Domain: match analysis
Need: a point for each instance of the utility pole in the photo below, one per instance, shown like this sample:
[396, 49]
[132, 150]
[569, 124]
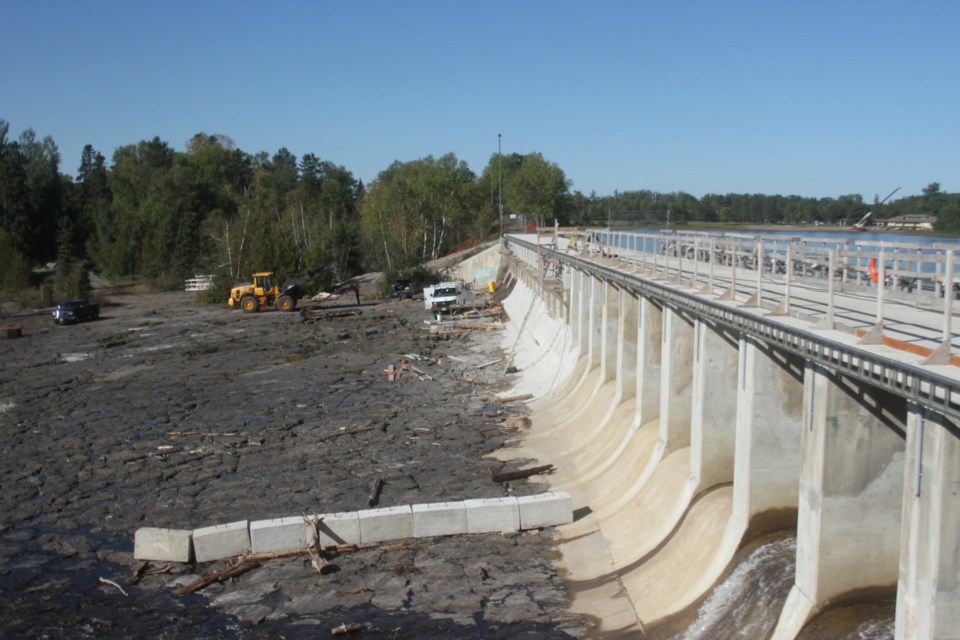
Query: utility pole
[500, 181]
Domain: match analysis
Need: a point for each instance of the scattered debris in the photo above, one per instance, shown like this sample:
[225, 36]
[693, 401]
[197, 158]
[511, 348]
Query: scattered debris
[9, 333]
[375, 490]
[520, 474]
[114, 585]
[520, 423]
[348, 432]
[347, 629]
[234, 570]
[525, 396]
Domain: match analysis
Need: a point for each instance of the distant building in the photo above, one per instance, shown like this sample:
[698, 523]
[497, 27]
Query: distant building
[909, 221]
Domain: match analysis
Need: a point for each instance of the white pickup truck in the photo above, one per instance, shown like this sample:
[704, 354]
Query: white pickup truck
[442, 296]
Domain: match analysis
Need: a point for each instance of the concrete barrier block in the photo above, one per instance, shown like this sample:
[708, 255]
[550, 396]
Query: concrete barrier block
[221, 541]
[165, 545]
[545, 510]
[439, 519]
[387, 523]
[339, 528]
[280, 534]
[491, 515]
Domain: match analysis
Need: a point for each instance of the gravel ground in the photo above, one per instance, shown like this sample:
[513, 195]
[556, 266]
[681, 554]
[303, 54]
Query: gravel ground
[169, 413]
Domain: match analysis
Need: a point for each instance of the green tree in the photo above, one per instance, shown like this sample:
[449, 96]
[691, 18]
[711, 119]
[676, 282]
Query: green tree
[15, 271]
[537, 187]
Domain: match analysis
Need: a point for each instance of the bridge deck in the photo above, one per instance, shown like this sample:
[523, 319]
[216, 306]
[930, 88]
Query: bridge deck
[877, 332]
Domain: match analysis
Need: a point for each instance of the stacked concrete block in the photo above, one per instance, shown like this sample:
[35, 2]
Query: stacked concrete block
[545, 510]
[387, 523]
[339, 528]
[488, 515]
[280, 534]
[163, 545]
[439, 519]
[221, 541]
[492, 515]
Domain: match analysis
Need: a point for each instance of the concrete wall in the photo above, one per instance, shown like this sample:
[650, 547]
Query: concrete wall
[928, 593]
[797, 442]
[770, 404]
[676, 380]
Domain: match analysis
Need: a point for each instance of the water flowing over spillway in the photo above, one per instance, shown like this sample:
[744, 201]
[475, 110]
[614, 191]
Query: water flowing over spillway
[746, 604]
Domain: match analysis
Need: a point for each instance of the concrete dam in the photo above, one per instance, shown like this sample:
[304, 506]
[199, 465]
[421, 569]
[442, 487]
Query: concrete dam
[696, 392]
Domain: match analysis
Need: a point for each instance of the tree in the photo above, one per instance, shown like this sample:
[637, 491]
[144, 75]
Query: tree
[415, 211]
[532, 185]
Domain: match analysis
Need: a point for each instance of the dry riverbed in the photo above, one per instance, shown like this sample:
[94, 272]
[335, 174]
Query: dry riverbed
[169, 413]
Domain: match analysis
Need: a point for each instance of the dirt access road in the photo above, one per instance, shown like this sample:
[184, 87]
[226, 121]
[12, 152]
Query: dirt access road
[170, 413]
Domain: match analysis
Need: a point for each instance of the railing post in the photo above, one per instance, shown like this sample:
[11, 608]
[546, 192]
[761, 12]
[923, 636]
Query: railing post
[708, 288]
[731, 292]
[756, 300]
[875, 334]
[941, 355]
[783, 308]
[827, 321]
[678, 246]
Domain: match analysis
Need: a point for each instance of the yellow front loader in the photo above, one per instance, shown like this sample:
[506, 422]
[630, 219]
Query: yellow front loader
[264, 293]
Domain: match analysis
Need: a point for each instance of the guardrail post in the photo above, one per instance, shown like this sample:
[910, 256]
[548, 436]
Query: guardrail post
[941, 355]
[678, 247]
[756, 300]
[731, 292]
[827, 321]
[708, 288]
[783, 309]
[875, 334]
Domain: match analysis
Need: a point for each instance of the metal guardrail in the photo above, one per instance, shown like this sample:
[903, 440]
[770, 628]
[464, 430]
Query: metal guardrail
[915, 383]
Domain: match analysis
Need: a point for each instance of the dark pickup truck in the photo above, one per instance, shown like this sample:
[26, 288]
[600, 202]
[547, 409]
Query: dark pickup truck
[75, 311]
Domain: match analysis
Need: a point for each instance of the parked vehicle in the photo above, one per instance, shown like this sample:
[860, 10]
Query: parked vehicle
[445, 295]
[75, 311]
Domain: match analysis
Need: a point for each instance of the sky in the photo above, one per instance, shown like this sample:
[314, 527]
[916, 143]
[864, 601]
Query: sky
[812, 98]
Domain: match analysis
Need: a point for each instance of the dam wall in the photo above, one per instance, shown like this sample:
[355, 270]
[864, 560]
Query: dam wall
[682, 434]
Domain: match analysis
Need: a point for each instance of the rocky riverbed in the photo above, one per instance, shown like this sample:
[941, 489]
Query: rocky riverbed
[170, 413]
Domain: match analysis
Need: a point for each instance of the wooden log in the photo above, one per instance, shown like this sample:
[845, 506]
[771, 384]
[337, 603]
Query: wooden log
[375, 490]
[216, 576]
[525, 396]
[347, 629]
[522, 473]
[347, 432]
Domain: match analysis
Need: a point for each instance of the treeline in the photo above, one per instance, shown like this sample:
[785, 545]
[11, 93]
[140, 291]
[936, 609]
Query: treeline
[637, 208]
[163, 215]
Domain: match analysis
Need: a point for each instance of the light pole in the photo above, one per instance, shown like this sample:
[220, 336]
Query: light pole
[500, 181]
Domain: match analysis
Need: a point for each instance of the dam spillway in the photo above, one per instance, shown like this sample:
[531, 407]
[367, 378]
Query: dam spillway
[694, 395]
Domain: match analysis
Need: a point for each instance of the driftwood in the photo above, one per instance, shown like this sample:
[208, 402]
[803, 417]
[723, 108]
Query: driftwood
[138, 572]
[114, 585]
[347, 629]
[216, 576]
[318, 557]
[347, 432]
[522, 473]
[375, 490]
[525, 396]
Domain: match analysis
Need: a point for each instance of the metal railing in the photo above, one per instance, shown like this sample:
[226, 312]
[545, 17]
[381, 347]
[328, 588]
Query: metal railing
[657, 275]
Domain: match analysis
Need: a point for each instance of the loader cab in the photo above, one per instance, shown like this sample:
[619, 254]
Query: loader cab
[262, 282]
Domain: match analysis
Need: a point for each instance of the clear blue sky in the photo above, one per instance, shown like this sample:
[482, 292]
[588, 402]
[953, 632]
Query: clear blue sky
[810, 98]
